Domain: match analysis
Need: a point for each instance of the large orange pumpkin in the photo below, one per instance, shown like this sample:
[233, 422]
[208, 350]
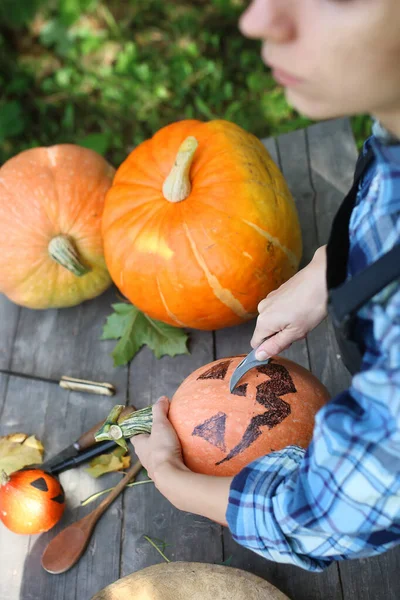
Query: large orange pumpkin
[272, 407]
[51, 249]
[199, 225]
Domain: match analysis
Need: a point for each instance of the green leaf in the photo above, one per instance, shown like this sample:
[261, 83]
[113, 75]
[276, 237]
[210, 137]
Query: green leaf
[134, 329]
[11, 120]
[164, 339]
[99, 142]
[108, 463]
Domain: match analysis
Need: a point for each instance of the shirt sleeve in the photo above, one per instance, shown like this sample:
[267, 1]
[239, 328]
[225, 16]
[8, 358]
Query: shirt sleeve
[341, 498]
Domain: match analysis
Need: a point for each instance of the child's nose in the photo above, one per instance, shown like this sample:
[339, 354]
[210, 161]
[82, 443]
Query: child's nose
[268, 20]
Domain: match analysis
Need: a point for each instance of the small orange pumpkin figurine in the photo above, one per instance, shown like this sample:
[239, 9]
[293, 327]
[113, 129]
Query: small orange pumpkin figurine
[199, 225]
[51, 247]
[31, 501]
[272, 407]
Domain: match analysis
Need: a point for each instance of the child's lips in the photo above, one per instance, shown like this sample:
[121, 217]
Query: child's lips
[285, 78]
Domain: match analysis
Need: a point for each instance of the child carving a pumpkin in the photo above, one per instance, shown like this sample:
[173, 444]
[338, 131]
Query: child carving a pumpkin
[339, 499]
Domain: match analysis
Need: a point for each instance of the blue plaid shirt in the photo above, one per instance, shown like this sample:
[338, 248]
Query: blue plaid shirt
[341, 498]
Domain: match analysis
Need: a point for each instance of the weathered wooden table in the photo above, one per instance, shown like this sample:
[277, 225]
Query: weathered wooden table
[38, 347]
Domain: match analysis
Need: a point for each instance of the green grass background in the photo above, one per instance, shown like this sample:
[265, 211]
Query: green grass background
[109, 74]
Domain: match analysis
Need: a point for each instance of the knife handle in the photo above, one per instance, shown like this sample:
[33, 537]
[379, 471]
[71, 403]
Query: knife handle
[85, 456]
[87, 439]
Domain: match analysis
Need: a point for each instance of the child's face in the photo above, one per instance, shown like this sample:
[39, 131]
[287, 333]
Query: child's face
[339, 57]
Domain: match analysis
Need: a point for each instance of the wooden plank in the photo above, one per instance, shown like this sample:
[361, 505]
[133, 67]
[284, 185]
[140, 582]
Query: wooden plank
[332, 175]
[298, 584]
[332, 159]
[58, 417]
[146, 512]
[9, 314]
[52, 343]
[374, 578]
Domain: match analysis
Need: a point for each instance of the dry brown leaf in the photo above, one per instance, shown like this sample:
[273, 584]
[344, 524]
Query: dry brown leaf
[107, 463]
[19, 450]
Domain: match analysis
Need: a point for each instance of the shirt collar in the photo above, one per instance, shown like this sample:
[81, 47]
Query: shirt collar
[385, 146]
[383, 135]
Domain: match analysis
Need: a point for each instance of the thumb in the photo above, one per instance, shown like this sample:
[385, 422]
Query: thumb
[275, 344]
[160, 410]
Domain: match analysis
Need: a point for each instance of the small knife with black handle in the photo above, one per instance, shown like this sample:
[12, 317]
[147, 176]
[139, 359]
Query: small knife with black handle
[80, 451]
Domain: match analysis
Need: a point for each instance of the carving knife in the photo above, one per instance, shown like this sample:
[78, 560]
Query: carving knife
[249, 362]
[83, 449]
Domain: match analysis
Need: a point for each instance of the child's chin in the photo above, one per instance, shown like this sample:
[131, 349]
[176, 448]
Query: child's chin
[311, 108]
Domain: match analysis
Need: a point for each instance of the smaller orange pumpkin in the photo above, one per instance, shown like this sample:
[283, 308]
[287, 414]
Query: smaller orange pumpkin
[273, 406]
[31, 501]
[51, 247]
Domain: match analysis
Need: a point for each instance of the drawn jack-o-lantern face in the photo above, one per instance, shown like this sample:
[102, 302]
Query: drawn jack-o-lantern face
[273, 407]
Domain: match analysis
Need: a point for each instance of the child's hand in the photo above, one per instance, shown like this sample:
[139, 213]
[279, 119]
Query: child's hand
[160, 453]
[292, 310]
[162, 448]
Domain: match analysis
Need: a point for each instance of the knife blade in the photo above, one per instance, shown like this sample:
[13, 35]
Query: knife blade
[249, 362]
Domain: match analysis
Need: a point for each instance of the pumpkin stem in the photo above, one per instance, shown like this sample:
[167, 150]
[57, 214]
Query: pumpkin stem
[4, 478]
[177, 186]
[62, 250]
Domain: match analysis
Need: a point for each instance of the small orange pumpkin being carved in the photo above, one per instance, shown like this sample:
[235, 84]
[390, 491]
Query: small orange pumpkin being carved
[51, 248]
[272, 407]
[199, 225]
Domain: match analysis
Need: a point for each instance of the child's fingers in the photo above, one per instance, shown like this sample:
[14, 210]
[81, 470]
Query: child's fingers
[265, 330]
[138, 441]
[276, 344]
[160, 411]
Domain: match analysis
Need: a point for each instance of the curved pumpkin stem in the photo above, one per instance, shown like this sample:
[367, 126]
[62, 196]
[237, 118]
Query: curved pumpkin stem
[62, 250]
[177, 186]
[4, 478]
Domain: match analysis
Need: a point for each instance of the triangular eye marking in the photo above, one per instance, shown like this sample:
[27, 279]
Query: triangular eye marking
[216, 371]
[60, 498]
[40, 484]
[213, 430]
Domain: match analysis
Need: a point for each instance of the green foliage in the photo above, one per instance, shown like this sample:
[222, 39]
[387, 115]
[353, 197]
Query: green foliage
[16, 13]
[11, 120]
[362, 128]
[121, 70]
[134, 329]
[108, 74]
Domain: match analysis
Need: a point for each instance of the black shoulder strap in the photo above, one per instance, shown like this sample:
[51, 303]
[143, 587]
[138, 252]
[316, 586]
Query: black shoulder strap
[337, 250]
[346, 297]
[351, 296]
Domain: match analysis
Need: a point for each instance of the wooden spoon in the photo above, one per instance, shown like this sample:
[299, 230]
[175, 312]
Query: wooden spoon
[68, 546]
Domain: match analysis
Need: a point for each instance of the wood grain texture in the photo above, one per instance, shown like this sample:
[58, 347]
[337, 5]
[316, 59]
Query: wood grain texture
[53, 343]
[374, 578]
[146, 512]
[9, 315]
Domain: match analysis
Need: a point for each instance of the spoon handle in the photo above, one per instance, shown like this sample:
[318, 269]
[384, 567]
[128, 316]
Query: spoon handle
[133, 471]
